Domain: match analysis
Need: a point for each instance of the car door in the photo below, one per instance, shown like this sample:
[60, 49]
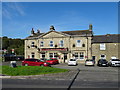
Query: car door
[38, 63]
[33, 62]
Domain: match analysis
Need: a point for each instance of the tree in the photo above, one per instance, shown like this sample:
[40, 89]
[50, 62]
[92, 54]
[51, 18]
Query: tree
[16, 44]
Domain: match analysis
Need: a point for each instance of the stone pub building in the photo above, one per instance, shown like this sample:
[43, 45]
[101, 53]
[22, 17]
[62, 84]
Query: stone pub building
[79, 44]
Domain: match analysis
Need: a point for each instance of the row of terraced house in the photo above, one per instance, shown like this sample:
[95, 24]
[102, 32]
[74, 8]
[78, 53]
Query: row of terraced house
[79, 44]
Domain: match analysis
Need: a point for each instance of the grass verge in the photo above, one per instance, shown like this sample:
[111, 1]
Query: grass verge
[30, 70]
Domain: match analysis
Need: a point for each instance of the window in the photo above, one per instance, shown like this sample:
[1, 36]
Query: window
[32, 54]
[81, 55]
[102, 46]
[76, 55]
[32, 44]
[41, 44]
[102, 56]
[53, 55]
[61, 43]
[51, 43]
[43, 55]
[83, 45]
[78, 43]
[50, 55]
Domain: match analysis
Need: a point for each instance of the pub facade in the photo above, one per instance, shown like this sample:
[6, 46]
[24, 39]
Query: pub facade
[61, 45]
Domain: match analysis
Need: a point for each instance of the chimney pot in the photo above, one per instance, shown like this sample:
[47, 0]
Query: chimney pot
[38, 31]
[52, 28]
[32, 32]
[90, 27]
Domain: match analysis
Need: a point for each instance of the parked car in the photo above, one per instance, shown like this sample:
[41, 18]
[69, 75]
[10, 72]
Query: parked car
[43, 59]
[114, 62]
[12, 57]
[89, 62]
[34, 62]
[102, 62]
[55, 60]
[52, 61]
[72, 62]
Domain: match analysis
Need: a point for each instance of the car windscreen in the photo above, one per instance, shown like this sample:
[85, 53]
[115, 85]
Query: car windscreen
[72, 60]
[89, 60]
[31, 60]
[115, 60]
[48, 59]
[103, 60]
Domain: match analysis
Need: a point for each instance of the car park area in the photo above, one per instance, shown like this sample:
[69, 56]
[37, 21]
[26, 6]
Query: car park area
[94, 76]
[88, 77]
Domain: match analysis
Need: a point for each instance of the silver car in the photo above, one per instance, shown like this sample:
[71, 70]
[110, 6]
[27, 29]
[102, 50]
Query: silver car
[114, 62]
[89, 62]
[72, 62]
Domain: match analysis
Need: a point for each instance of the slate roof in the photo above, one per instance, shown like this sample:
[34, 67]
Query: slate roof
[34, 36]
[78, 32]
[108, 38]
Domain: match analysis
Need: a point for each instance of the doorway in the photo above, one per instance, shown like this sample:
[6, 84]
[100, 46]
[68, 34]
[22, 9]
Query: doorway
[93, 57]
[65, 57]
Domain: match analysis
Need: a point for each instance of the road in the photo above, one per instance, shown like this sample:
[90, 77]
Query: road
[95, 77]
[88, 77]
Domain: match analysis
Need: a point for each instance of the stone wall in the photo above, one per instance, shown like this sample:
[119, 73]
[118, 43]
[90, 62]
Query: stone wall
[110, 51]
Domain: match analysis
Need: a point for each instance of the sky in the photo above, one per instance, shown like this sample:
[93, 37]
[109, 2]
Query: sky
[18, 18]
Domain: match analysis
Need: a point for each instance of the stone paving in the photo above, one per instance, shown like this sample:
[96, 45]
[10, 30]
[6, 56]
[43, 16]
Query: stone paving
[56, 76]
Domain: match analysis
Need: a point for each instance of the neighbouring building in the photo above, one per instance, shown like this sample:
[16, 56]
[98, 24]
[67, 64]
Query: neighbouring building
[105, 46]
[61, 45]
[79, 44]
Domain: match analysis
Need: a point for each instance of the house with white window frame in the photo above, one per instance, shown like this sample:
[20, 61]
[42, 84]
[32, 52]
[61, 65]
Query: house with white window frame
[106, 46]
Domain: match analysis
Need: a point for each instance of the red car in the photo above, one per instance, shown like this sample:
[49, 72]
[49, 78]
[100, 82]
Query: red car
[52, 61]
[34, 62]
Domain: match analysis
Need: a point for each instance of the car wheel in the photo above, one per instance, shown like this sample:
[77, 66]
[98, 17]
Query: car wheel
[26, 64]
[42, 65]
[110, 65]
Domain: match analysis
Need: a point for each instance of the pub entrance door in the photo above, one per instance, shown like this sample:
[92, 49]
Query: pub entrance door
[65, 57]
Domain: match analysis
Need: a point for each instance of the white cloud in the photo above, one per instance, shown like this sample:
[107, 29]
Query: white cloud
[19, 9]
[9, 8]
[6, 13]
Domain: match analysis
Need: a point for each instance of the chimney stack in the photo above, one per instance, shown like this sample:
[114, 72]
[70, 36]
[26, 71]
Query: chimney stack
[38, 31]
[32, 32]
[52, 28]
[90, 27]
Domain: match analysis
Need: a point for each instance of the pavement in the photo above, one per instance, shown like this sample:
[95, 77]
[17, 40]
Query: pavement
[56, 76]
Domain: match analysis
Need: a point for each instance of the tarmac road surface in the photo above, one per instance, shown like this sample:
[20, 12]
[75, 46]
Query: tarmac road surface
[88, 77]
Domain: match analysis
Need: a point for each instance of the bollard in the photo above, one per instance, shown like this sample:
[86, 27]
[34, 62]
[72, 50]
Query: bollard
[13, 64]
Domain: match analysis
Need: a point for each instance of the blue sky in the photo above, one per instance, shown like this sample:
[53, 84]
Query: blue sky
[19, 18]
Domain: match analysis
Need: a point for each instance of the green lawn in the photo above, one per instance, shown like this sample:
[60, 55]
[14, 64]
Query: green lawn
[0, 69]
[1, 59]
[0, 65]
[30, 70]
